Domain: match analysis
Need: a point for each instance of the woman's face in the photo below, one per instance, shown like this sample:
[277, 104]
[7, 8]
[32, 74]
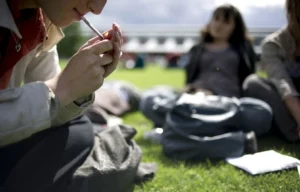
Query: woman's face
[62, 12]
[220, 28]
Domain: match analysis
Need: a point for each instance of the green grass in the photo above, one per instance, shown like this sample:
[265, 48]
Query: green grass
[174, 176]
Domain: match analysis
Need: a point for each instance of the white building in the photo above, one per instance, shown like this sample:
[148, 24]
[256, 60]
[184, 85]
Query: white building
[168, 39]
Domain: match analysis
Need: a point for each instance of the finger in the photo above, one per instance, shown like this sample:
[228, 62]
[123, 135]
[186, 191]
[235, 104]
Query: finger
[93, 40]
[90, 42]
[118, 38]
[104, 59]
[113, 35]
[121, 38]
[118, 29]
[90, 59]
[99, 70]
[101, 47]
[116, 57]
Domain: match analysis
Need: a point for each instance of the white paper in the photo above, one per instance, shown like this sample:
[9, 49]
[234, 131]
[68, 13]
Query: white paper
[264, 162]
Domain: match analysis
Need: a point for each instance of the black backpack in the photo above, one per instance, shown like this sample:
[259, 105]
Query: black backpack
[194, 126]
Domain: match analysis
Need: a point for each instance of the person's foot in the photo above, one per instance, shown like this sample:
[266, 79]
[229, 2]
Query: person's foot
[250, 143]
[154, 136]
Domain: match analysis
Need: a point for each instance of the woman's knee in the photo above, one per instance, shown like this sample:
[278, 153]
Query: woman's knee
[252, 82]
[78, 145]
[81, 134]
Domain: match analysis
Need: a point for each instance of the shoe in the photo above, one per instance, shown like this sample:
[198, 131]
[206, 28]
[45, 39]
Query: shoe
[154, 136]
[250, 143]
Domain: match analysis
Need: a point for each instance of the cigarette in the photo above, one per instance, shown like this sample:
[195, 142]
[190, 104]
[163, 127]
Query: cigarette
[92, 27]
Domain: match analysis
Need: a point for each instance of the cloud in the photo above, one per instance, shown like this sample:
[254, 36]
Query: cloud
[245, 5]
[257, 13]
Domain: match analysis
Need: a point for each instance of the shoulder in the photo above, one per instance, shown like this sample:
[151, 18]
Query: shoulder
[273, 38]
[277, 42]
[195, 49]
[280, 39]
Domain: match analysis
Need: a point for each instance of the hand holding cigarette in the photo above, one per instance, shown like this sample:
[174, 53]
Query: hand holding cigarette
[115, 36]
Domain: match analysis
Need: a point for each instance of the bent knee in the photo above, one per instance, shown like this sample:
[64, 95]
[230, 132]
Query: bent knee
[252, 82]
[81, 134]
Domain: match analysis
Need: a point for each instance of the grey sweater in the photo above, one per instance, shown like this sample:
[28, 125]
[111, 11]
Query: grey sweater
[278, 60]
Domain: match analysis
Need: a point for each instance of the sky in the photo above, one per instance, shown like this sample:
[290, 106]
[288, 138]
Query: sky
[257, 13]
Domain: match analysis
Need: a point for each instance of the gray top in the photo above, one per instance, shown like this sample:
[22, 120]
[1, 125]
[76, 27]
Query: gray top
[277, 54]
[219, 72]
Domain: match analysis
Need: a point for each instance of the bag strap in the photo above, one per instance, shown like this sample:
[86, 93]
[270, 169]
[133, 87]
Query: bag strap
[184, 134]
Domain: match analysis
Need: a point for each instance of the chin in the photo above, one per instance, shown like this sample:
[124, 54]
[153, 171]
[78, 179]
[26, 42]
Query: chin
[62, 23]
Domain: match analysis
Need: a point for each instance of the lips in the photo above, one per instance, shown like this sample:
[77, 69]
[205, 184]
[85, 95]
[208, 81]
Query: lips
[78, 14]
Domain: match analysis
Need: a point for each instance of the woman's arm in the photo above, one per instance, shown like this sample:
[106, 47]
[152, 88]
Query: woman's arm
[45, 67]
[25, 111]
[272, 59]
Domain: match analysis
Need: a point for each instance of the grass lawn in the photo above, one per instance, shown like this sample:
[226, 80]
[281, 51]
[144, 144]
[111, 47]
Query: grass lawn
[179, 177]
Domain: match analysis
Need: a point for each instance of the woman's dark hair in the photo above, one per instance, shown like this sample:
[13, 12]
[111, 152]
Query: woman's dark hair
[292, 8]
[239, 33]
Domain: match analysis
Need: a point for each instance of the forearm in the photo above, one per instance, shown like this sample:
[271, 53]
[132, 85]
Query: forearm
[69, 107]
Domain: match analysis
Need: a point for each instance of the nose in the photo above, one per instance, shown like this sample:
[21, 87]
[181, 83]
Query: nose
[96, 6]
[218, 23]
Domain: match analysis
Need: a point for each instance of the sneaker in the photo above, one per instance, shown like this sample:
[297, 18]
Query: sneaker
[250, 143]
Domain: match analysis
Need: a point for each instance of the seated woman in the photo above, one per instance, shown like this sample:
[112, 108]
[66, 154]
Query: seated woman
[281, 60]
[218, 65]
[44, 137]
[224, 57]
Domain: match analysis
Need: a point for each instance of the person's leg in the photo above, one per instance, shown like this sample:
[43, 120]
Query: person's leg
[256, 115]
[46, 161]
[262, 89]
[156, 102]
